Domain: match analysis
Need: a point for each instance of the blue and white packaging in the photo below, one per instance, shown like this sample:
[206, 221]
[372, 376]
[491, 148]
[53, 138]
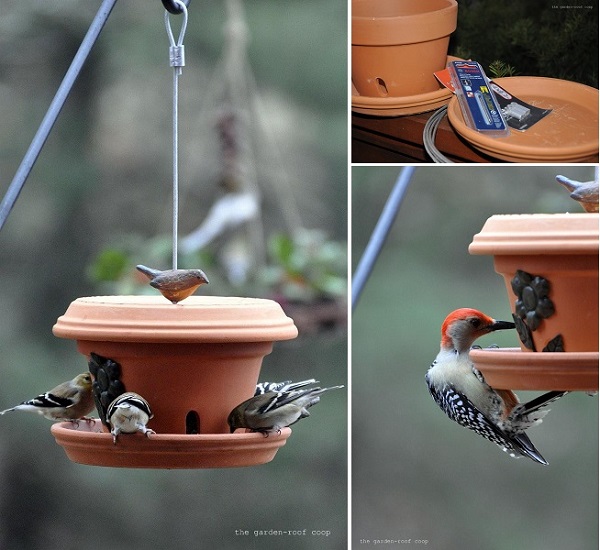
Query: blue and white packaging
[477, 101]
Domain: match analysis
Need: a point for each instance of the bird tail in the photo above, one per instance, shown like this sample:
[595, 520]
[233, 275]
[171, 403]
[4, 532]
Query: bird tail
[529, 414]
[525, 447]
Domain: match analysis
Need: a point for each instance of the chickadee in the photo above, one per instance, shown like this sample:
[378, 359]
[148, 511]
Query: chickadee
[129, 413]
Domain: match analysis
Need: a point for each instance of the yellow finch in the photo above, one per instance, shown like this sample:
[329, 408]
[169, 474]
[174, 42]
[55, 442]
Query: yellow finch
[70, 400]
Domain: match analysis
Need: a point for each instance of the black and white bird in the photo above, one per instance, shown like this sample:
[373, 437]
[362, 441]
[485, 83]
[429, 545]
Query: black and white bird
[129, 413]
[273, 410]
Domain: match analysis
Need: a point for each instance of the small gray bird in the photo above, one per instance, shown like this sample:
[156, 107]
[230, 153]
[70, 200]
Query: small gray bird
[274, 410]
[129, 413]
[175, 284]
[585, 193]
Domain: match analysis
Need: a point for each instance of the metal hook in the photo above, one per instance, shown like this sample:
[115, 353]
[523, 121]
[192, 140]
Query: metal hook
[173, 6]
[179, 42]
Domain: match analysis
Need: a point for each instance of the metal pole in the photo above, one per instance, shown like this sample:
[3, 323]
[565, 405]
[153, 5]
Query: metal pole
[384, 224]
[54, 110]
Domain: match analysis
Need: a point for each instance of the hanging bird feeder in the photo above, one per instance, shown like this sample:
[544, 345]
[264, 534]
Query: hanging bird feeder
[549, 263]
[194, 362]
[193, 358]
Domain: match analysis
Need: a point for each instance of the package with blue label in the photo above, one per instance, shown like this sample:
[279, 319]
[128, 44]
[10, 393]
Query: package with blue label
[476, 99]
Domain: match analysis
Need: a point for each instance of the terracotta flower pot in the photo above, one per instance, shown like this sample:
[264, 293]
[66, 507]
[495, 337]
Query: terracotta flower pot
[194, 362]
[549, 263]
[397, 45]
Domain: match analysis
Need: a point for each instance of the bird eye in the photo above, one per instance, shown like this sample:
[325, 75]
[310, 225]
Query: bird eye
[475, 322]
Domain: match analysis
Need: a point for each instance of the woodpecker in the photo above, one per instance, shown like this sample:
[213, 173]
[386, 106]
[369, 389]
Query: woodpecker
[461, 391]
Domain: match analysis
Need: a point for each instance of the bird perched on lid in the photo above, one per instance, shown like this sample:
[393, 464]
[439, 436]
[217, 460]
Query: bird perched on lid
[70, 401]
[274, 410]
[175, 284]
[129, 413]
[461, 391]
[585, 193]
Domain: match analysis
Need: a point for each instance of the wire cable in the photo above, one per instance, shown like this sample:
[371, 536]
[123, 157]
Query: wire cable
[429, 133]
[177, 61]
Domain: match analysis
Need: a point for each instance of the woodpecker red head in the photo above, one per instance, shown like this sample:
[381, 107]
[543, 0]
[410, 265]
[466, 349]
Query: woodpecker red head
[463, 326]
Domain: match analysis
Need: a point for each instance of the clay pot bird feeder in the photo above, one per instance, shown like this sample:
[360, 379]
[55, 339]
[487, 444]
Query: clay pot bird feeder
[549, 263]
[194, 362]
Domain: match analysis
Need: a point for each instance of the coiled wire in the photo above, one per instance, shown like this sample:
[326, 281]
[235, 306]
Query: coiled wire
[429, 133]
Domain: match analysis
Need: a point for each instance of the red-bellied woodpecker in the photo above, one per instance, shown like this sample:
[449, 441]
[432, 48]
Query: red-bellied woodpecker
[462, 393]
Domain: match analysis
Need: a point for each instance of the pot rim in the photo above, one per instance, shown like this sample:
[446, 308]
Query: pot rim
[370, 30]
[511, 234]
[213, 319]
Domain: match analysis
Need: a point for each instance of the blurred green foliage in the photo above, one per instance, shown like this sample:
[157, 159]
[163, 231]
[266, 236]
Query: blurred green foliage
[557, 39]
[306, 266]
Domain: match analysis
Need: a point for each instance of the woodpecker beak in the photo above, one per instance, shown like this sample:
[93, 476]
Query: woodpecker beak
[500, 325]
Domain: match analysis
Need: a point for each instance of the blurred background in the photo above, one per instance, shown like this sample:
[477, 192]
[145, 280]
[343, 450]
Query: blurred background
[263, 171]
[551, 38]
[417, 475]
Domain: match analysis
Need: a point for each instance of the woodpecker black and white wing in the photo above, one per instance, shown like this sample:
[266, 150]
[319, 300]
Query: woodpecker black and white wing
[460, 409]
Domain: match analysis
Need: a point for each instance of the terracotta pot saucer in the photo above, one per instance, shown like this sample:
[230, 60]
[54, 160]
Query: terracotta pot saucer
[88, 444]
[568, 134]
[520, 370]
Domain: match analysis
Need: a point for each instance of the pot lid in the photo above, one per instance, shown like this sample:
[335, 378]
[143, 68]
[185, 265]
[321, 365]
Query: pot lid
[154, 319]
[537, 234]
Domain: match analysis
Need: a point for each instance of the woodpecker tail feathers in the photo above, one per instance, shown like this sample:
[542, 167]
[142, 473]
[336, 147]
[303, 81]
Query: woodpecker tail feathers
[528, 414]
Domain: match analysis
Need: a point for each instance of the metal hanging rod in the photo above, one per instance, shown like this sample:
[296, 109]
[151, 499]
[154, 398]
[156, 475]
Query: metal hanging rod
[14, 189]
